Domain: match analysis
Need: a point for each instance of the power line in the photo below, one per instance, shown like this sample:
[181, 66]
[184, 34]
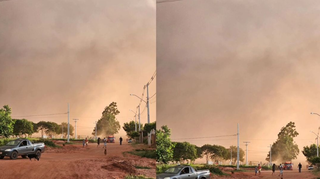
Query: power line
[152, 95]
[41, 115]
[163, 1]
[206, 137]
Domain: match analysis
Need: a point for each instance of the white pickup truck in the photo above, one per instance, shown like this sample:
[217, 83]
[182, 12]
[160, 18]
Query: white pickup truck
[184, 172]
[21, 147]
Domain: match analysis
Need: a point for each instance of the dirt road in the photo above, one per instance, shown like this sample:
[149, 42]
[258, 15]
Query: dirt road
[74, 161]
[294, 174]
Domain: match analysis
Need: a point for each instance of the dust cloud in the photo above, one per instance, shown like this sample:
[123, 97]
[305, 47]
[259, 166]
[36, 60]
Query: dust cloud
[255, 63]
[85, 53]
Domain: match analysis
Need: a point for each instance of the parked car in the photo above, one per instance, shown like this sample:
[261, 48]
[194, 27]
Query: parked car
[21, 147]
[310, 167]
[185, 172]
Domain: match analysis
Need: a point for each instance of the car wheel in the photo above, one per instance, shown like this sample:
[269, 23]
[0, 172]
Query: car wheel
[23, 156]
[14, 155]
[38, 153]
[1, 157]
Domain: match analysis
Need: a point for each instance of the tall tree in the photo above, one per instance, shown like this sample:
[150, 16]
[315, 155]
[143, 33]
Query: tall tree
[23, 127]
[234, 150]
[184, 151]
[164, 145]
[129, 127]
[6, 123]
[215, 152]
[149, 127]
[310, 152]
[49, 128]
[63, 129]
[285, 149]
[108, 124]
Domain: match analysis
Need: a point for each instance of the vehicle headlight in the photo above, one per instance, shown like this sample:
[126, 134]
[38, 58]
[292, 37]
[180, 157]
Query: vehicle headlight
[8, 150]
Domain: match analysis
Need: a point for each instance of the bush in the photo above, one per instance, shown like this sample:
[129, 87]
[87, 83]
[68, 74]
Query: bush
[47, 142]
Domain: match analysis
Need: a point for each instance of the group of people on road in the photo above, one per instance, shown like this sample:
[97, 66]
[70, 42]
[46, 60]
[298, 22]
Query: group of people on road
[85, 143]
[281, 168]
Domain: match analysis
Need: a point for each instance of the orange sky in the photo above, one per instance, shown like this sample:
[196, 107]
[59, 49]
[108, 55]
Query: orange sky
[256, 63]
[86, 53]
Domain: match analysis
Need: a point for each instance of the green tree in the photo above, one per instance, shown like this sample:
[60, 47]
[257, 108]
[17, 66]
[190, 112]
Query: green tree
[23, 127]
[6, 123]
[52, 128]
[108, 124]
[63, 129]
[310, 152]
[129, 127]
[149, 127]
[215, 152]
[164, 145]
[184, 151]
[285, 149]
[234, 150]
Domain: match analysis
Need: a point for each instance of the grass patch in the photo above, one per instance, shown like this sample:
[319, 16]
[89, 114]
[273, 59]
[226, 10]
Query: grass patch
[136, 177]
[141, 167]
[144, 153]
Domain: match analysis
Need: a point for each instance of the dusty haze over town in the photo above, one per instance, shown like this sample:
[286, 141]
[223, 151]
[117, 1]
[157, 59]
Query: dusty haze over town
[255, 63]
[85, 53]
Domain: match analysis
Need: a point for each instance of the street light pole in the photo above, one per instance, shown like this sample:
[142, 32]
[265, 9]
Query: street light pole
[317, 142]
[75, 124]
[317, 135]
[68, 122]
[135, 120]
[147, 102]
[246, 152]
[139, 119]
[238, 148]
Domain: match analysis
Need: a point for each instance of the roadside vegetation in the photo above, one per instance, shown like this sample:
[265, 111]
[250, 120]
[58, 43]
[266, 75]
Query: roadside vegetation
[170, 153]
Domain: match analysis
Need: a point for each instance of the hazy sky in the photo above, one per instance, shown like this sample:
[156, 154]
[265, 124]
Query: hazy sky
[255, 63]
[86, 53]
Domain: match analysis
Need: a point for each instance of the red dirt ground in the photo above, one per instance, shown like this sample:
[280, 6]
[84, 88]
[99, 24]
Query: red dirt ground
[287, 174]
[76, 162]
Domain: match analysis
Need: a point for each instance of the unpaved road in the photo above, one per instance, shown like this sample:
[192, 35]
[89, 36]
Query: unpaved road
[294, 174]
[74, 161]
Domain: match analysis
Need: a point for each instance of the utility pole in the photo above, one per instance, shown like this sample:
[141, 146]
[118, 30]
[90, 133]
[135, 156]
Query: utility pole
[96, 129]
[68, 122]
[139, 119]
[231, 155]
[75, 124]
[148, 103]
[270, 156]
[238, 148]
[246, 152]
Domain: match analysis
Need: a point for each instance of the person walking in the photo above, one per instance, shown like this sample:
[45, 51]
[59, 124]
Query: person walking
[259, 168]
[98, 141]
[256, 170]
[84, 142]
[105, 146]
[273, 168]
[105, 142]
[120, 140]
[300, 166]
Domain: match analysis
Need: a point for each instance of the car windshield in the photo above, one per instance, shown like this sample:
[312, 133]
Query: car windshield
[173, 170]
[13, 142]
